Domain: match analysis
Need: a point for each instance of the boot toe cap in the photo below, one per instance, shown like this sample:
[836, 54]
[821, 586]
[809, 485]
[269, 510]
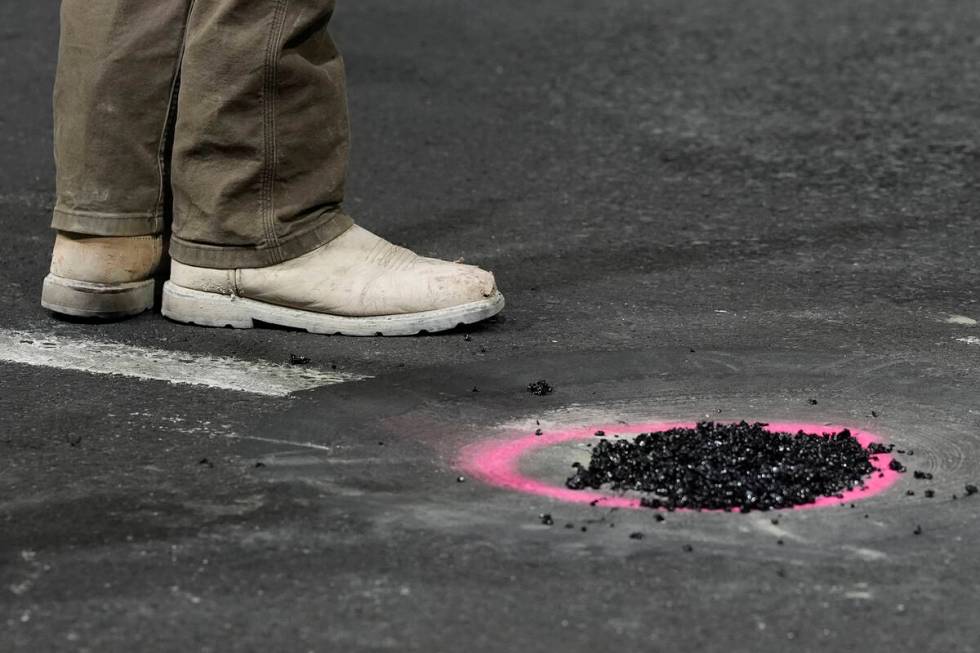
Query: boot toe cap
[467, 284]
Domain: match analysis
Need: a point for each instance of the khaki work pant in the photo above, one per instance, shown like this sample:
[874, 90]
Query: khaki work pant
[227, 116]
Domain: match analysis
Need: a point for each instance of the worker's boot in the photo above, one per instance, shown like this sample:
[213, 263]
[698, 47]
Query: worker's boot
[357, 284]
[102, 277]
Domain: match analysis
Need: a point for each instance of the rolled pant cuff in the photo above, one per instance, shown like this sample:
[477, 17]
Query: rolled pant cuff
[221, 257]
[94, 223]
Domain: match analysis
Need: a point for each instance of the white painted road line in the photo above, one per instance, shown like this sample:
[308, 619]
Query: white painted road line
[262, 378]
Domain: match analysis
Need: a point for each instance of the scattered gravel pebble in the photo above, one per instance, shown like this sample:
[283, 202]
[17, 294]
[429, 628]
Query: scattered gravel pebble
[540, 388]
[727, 466]
[547, 520]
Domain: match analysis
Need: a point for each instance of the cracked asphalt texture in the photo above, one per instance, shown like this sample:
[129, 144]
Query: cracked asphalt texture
[694, 209]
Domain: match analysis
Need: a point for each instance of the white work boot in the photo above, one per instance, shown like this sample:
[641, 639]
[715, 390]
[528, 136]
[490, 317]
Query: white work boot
[102, 277]
[357, 284]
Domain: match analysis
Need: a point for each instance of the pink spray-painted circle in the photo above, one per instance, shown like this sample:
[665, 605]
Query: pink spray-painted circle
[497, 462]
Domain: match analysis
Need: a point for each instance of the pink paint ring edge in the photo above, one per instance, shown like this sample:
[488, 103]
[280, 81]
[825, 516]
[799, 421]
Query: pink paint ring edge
[496, 462]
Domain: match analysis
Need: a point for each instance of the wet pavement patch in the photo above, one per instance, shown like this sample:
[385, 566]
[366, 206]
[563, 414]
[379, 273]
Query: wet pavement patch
[728, 467]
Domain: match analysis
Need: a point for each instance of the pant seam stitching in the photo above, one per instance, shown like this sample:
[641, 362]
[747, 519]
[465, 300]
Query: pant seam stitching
[267, 201]
[110, 216]
[170, 119]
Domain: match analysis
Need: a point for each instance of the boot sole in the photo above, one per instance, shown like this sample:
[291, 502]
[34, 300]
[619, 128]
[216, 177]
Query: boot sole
[99, 301]
[214, 310]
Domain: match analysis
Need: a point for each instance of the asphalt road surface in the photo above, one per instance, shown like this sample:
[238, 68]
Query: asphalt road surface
[695, 209]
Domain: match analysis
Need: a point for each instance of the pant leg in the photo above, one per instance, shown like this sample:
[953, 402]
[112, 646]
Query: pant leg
[261, 139]
[112, 104]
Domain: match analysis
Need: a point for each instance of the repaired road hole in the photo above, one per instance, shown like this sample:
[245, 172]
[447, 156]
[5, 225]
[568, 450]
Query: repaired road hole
[499, 463]
[714, 466]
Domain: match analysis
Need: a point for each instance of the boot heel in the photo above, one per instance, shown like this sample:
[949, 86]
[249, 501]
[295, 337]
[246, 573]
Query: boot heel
[100, 301]
[204, 308]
